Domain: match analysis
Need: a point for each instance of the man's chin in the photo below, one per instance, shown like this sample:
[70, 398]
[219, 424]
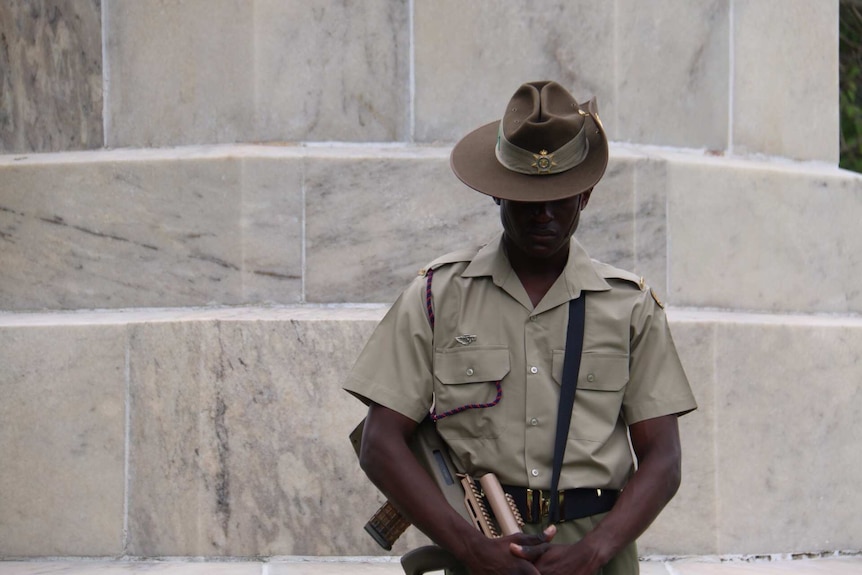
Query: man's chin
[542, 251]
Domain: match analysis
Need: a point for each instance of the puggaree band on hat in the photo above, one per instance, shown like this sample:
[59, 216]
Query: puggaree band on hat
[544, 163]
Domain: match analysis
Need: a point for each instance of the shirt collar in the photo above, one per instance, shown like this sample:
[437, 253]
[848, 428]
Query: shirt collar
[579, 273]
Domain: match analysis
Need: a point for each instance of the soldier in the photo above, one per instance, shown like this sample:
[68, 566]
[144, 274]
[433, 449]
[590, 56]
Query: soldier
[479, 341]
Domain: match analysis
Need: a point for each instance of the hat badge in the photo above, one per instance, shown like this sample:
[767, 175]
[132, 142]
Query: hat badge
[544, 162]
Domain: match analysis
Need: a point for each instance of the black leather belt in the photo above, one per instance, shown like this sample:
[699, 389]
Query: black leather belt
[574, 503]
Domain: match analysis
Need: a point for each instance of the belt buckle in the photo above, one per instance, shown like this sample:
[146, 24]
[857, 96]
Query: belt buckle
[542, 500]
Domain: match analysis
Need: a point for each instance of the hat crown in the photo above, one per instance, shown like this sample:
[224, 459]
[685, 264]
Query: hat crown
[542, 116]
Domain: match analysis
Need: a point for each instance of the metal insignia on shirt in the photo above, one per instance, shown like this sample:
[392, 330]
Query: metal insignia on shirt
[655, 297]
[465, 339]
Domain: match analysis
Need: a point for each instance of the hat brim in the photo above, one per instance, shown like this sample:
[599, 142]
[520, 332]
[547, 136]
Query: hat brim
[475, 163]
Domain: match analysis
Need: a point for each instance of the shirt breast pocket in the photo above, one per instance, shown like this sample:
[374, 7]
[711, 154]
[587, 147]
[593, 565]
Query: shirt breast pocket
[467, 377]
[602, 380]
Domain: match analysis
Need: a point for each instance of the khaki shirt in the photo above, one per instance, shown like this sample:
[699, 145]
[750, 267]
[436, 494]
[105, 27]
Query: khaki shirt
[629, 369]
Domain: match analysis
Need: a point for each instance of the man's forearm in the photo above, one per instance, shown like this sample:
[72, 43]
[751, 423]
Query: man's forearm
[650, 489]
[638, 506]
[392, 467]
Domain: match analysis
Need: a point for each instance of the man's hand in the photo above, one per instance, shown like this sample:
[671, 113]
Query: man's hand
[576, 559]
[532, 551]
[497, 556]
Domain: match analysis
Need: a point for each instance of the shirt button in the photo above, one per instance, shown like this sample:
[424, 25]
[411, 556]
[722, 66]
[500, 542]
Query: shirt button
[534, 422]
[591, 377]
[535, 473]
[532, 318]
[535, 369]
[470, 371]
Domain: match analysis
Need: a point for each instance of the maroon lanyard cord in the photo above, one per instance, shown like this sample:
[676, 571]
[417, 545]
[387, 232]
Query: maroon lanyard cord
[438, 416]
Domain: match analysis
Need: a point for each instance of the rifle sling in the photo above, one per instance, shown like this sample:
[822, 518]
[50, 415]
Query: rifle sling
[571, 367]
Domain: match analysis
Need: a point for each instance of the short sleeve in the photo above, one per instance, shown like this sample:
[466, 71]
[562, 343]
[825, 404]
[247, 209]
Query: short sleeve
[394, 369]
[657, 382]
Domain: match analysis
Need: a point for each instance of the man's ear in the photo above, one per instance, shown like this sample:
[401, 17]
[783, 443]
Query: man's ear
[585, 198]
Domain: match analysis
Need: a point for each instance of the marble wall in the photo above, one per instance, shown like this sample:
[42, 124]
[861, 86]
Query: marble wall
[283, 172]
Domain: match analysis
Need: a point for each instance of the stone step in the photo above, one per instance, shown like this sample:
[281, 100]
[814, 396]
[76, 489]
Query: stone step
[848, 565]
[240, 225]
[223, 432]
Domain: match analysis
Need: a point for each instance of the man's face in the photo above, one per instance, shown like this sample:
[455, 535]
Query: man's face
[541, 229]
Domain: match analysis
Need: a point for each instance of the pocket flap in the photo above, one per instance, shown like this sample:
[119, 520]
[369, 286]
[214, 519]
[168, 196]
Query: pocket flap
[603, 372]
[471, 365]
[599, 371]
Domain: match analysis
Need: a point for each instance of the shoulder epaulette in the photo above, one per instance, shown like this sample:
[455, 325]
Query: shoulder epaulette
[608, 271]
[465, 255]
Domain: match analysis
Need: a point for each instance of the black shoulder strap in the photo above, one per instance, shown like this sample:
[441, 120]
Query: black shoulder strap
[571, 366]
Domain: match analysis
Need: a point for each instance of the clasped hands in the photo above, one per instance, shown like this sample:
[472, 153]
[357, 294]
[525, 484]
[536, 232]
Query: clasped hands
[539, 557]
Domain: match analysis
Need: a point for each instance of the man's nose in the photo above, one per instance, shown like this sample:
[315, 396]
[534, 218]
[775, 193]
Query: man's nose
[541, 210]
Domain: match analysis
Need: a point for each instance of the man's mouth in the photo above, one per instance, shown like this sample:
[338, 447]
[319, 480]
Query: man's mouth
[541, 233]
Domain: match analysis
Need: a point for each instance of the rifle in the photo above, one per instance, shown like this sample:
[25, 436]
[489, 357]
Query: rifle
[470, 499]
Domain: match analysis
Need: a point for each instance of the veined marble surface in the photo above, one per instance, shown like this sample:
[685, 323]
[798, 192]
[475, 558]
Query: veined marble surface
[472, 56]
[764, 237]
[276, 71]
[426, 71]
[165, 232]
[772, 41]
[233, 225]
[50, 75]
[62, 486]
[239, 440]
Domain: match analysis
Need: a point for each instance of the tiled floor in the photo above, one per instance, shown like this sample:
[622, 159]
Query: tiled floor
[825, 566]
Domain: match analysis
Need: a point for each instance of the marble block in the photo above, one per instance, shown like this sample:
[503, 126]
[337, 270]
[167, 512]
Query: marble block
[672, 73]
[776, 109]
[50, 75]
[274, 71]
[470, 57]
[239, 438]
[178, 72]
[62, 440]
[331, 70]
[787, 440]
[767, 236]
[124, 229]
